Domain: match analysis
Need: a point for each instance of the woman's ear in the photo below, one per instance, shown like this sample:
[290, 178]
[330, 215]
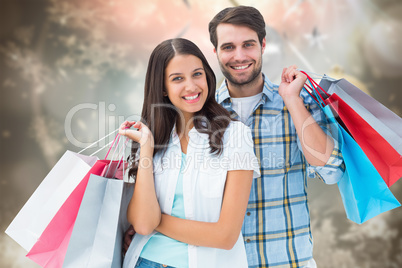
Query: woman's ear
[165, 93]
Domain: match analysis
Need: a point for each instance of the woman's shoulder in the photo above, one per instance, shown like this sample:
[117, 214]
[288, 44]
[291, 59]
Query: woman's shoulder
[236, 131]
[238, 139]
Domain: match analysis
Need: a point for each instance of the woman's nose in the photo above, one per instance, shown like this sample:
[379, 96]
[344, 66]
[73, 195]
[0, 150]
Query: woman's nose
[191, 85]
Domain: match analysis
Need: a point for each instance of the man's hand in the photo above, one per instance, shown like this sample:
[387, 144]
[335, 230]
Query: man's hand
[291, 84]
[128, 237]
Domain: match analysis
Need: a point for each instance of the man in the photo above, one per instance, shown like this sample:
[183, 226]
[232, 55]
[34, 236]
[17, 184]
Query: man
[290, 141]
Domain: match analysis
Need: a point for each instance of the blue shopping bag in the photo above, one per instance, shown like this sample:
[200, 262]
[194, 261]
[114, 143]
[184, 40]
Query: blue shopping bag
[364, 193]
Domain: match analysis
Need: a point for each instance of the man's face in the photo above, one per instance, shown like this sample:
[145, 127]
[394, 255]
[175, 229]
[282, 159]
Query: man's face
[239, 53]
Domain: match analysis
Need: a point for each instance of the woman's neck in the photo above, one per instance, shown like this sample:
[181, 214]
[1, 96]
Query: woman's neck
[183, 127]
[184, 124]
[184, 130]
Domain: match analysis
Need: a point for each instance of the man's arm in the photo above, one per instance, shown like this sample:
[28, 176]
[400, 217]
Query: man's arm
[317, 146]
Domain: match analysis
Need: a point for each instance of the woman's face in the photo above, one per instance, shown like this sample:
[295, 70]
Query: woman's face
[186, 84]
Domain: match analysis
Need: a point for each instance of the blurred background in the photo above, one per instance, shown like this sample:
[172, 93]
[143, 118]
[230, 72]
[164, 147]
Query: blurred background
[73, 70]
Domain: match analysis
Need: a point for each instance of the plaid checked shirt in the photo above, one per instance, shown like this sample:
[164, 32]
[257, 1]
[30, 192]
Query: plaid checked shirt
[276, 227]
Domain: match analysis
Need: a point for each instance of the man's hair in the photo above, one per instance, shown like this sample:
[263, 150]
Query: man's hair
[240, 15]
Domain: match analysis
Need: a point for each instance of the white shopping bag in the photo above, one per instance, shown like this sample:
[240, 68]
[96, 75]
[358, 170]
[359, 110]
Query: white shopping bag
[47, 199]
[97, 236]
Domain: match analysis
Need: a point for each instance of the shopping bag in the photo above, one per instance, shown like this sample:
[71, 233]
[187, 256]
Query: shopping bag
[115, 170]
[97, 237]
[51, 247]
[379, 141]
[364, 193]
[42, 206]
[379, 117]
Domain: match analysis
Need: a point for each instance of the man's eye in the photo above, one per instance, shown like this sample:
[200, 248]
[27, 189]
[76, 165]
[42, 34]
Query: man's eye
[248, 45]
[227, 47]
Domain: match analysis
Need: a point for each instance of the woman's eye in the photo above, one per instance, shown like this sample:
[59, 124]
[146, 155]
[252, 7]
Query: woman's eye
[197, 73]
[177, 78]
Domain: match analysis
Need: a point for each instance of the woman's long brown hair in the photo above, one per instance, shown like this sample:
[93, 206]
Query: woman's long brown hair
[159, 114]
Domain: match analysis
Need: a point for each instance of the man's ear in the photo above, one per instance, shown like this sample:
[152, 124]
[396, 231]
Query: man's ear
[263, 45]
[215, 51]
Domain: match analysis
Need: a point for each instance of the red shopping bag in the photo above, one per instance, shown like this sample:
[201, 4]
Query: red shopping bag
[384, 157]
[378, 116]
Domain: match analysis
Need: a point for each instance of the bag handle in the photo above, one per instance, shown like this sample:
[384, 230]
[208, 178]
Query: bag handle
[116, 145]
[308, 91]
[113, 143]
[121, 151]
[313, 87]
[118, 139]
[99, 141]
[317, 76]
[124, 145]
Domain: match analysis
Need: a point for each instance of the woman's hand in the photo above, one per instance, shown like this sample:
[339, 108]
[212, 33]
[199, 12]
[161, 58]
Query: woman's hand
[142, 135]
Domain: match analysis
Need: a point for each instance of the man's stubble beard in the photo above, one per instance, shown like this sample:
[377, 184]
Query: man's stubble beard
[254, 75]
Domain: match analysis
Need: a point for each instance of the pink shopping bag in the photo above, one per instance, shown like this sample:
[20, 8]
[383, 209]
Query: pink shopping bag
[47, 199]
[50, 249]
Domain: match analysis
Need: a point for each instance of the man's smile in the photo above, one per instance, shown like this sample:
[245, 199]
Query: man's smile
[240, 67]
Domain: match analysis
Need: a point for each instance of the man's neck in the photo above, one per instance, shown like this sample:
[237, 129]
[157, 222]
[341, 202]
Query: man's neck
[246, 90]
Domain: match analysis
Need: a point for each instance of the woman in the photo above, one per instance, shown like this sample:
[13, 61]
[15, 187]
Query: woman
[194, 167]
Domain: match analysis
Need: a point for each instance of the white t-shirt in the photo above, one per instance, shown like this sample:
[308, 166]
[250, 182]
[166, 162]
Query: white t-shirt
[204, 180]
[244, 106]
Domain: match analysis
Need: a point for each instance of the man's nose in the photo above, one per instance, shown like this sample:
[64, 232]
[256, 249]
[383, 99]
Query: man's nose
[239, 54]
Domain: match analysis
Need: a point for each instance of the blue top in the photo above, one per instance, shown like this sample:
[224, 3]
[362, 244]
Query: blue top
[163, 249]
